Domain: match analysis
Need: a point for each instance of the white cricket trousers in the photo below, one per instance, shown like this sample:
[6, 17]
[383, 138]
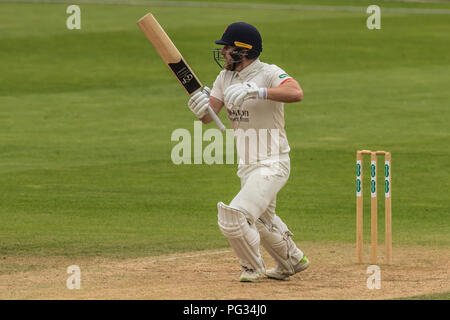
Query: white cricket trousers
[260, 184]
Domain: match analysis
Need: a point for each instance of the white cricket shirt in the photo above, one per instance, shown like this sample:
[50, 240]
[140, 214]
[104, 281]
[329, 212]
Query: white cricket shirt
[259, 124]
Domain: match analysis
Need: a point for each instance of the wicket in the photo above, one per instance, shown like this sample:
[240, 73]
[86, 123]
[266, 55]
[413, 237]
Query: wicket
[374, 209]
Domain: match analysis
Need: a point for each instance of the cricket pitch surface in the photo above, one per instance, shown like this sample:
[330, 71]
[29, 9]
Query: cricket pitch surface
[214, 274]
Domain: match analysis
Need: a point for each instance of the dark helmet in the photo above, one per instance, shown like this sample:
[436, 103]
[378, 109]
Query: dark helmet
[243, 35]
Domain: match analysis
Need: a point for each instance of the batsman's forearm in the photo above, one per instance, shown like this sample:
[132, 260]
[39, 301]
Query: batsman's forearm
[215, 105]
[212, 116]
[289, 92]
[206, 119]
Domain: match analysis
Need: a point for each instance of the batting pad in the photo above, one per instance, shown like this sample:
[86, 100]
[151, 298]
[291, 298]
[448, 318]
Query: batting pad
[242, 236]
[276, 239]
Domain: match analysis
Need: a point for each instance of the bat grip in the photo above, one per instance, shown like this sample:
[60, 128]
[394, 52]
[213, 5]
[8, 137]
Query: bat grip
[216, 119]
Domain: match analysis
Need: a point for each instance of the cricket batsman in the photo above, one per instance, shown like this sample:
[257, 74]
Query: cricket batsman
[254, 94]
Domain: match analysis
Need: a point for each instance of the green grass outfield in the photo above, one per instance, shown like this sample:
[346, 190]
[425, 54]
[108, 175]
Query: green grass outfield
[86, 118]
[437, 296]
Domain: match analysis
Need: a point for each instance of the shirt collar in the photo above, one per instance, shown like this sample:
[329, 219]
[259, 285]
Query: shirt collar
[255, 66]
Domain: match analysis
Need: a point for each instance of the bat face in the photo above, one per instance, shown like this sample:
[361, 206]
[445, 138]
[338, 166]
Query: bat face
[172, 57]
[185, 76]
[169, 53]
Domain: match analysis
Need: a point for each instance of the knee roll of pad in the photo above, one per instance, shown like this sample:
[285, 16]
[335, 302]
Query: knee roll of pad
[243, 237]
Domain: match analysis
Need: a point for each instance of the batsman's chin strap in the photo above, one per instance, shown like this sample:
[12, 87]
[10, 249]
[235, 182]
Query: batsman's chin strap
[237, 54]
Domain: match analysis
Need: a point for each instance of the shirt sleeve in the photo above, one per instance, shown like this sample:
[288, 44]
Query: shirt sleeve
[217, 89]
[277, 76]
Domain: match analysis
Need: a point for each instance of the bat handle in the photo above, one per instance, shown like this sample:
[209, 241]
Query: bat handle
[216, 119]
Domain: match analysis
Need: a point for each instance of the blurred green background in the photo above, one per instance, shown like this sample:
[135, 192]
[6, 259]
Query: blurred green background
[86, 118]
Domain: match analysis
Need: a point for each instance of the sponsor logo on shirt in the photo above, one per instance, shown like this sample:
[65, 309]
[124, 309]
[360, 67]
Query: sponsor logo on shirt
[239, 115]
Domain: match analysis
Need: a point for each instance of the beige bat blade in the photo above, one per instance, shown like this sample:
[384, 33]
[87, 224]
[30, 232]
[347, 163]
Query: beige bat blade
[173, 58]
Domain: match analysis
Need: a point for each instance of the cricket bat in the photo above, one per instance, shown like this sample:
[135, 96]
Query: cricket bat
[173, 58]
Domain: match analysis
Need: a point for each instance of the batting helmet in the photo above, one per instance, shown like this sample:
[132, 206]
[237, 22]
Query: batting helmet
[243, 35]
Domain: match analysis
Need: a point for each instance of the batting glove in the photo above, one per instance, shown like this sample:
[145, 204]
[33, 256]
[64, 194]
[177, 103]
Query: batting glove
[236, 94]
[199, 102]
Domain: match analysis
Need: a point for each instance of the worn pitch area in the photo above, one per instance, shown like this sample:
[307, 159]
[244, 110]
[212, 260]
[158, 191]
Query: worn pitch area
[333, 274]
